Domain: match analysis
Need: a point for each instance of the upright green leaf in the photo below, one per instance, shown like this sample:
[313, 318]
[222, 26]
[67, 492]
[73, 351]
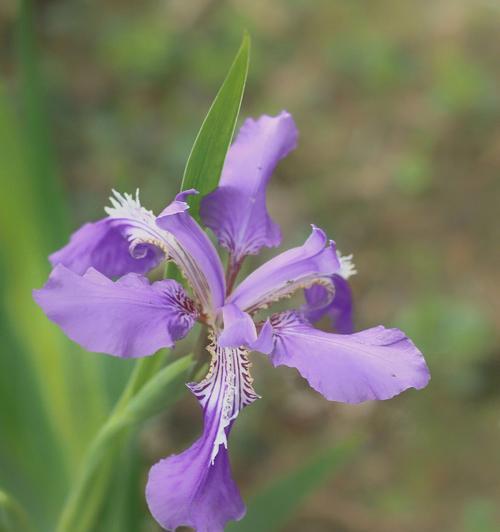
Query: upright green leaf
[13, 518]
[33, 222]
[204, 166]
[125, 508]
[24, 267]
[88, 494]
[272, 507]
[40, 158]
[51, 393]
[49, 208]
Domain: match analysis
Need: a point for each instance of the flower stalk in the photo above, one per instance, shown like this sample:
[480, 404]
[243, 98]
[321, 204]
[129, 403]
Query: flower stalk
[87, 495]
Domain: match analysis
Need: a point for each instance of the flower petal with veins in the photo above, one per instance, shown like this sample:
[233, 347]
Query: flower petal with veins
[240, 330]
[319, 303]
[236, 211]
[124, 242]
[195, 488]
[377, 363]
[280, 277]
[126, 318]
[193, 252]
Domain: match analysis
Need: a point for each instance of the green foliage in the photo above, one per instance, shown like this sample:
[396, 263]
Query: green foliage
[414, 175]
[13, 518]
[460, 84]
[455, 330]
[90, 490]
[207, 156]
[274, 506]
[137, 47]
[47, 370]
[39, 155]
[479, 515]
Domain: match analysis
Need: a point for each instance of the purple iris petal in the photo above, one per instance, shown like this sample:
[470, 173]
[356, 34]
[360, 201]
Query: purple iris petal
[240, 330]
[195, 488]
[236, 211]
[339, 309]
[193, 252]
[185, 489]
[296, 268]
[104, 246]
[377, 363]
[126, 318]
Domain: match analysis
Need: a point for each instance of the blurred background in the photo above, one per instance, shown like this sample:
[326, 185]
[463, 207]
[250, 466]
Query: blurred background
[397, 104]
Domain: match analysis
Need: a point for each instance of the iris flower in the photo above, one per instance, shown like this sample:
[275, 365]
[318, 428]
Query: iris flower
[99, 295]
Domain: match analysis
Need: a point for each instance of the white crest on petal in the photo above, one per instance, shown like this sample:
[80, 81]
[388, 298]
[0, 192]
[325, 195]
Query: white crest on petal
[347, 266]
[139, 223]
[226, 389]
[128, 207]
[139, 226]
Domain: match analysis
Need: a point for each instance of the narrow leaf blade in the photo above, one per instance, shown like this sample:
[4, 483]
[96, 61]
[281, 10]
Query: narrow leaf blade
[204, 166]
[86, 499]
[13, 518]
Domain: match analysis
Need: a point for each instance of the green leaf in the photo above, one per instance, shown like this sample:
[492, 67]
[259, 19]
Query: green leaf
[41, 370]
[125, 508]
[40, 159]
[272, 507]
[13, 518]
[32, 222]
[204, 166]
[86, 498]
[50, 214]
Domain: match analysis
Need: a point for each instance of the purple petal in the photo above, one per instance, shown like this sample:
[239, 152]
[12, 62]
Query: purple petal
[377, 363]
[195, 488]
[194, 253]
[339, 309]
[104, 246]
[265, 340]
[240, 330]
[128, 240]
[236, 211]
[186, 489]
[280, 277]
[126, 318]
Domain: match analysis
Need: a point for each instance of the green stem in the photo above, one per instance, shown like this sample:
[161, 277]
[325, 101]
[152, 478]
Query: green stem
[143, 370]
[12, 515]
[89, 491]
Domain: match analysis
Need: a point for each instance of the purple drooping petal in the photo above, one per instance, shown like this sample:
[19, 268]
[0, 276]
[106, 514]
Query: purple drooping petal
[339, 309]
[240, 330]
[377, 363]
[236, 211]
[104, 245]
[126, 318]
[300, 267]
[185, 489]
[194, 253]
[195, 488]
